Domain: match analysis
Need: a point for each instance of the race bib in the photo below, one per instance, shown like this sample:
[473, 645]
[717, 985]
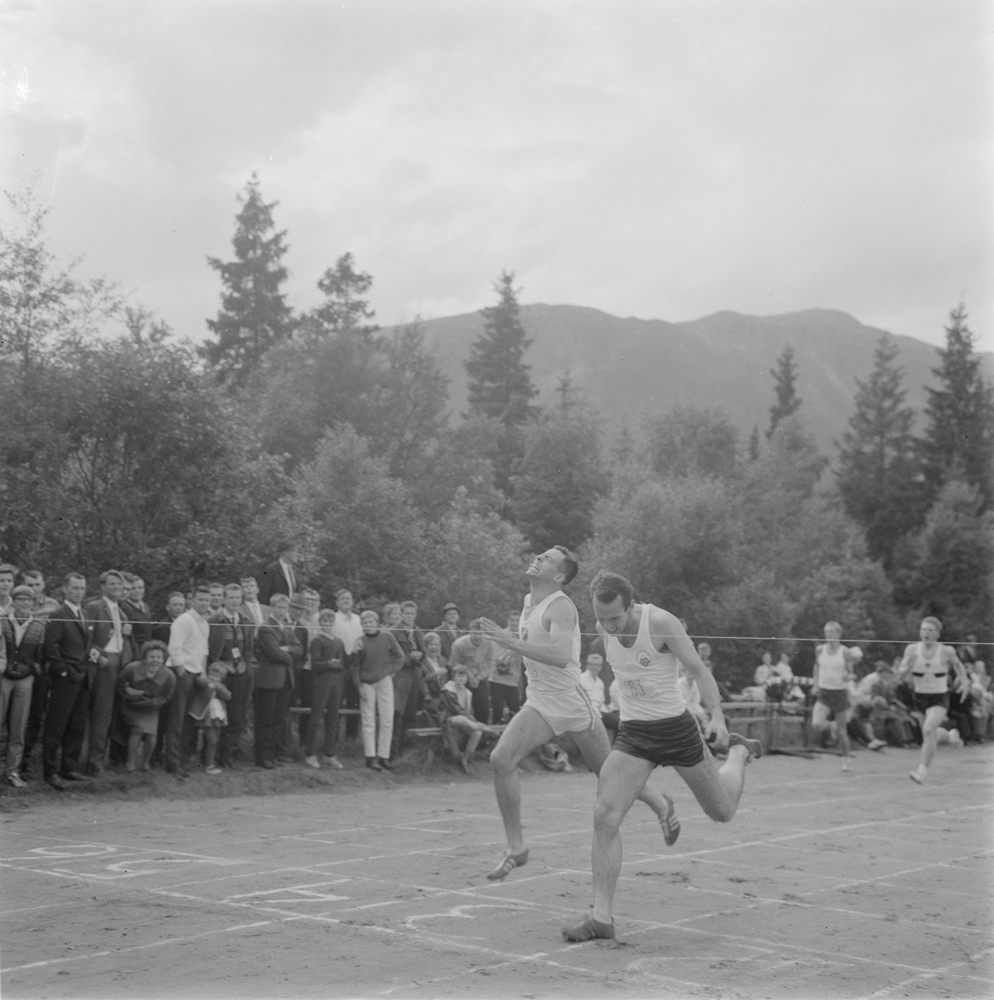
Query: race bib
[236, 653]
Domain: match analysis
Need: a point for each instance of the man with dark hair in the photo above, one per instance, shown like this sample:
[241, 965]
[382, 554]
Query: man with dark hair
[44, 605]
[70, 671]
[110, 649]
[23, 637]
[43, 608]
[137, 610]
[280, 577]
[548, 640]
[229, 641]
[448, 631]
[645, 644]
[188, 637]
[217, 597]
[278, 650]
[175, 606]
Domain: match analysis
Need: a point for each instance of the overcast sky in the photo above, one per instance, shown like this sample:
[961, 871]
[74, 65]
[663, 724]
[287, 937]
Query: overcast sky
[655, 159]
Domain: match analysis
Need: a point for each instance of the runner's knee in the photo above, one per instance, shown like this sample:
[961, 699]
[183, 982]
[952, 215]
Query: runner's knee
[607, 817]
[502, 760]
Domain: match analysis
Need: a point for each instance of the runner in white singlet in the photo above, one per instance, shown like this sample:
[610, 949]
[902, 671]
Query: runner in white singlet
[643, 644]
[930, 663]
[833, 671]
[556, 703]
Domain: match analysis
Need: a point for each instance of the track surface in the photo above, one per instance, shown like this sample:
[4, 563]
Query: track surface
[824, 885]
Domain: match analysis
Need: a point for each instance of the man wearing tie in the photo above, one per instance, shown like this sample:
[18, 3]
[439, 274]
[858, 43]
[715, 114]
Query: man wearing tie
[229, 641]
[280, 577]
[69, 669]
[110, 649]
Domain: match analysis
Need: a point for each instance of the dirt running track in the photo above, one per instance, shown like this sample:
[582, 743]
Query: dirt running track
[825, 885]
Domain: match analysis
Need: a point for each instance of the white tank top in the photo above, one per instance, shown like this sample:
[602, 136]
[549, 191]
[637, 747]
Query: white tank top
[647, 679]
[832, 669]
[545, 678]
[928, 673]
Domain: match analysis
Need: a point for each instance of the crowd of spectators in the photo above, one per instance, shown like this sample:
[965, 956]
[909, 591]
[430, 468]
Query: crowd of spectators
[91, 680]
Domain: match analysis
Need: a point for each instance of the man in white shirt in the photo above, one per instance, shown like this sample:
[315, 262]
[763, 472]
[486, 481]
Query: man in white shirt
[188, 657]
[7, 574]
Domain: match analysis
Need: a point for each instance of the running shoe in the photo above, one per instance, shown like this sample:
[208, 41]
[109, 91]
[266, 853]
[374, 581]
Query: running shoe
[311, 761]
[845, 764]
[510, 862]
[918, 776]
[213, 769]
[754, 747]
[588, 930]
[955, 740]
[669, 824]
[876, 745]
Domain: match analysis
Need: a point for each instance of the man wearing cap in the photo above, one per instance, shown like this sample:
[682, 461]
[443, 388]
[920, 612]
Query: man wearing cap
[23, 639]
[448, 631]
[110, 649]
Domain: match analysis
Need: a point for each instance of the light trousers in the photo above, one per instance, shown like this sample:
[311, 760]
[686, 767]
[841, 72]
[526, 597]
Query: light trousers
[376, 699]
[15, 704]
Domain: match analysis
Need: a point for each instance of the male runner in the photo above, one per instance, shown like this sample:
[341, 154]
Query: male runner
[930, 663]
[834, 666]
[643, 644]
[556, 701]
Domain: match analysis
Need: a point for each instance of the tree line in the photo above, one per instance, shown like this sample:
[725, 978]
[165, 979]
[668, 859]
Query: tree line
[125, 445]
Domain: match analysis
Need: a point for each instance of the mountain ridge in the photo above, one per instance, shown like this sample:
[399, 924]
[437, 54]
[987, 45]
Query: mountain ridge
[632, 369]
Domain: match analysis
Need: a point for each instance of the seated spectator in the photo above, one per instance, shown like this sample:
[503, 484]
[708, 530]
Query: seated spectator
[208, 711]
[478, 653]
[144, 687]
[435, 661]
[982, 698]
[459, 710]
[862, 699]
[764, 671]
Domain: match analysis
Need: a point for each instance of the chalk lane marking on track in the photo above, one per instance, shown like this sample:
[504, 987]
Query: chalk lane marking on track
[934, 973]
[137, 947]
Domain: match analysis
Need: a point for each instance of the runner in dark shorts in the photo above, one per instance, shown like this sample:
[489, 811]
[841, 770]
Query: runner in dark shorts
[663, 742]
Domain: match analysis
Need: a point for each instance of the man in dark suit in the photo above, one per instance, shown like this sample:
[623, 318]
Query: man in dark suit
[110, 650]
[138, 612]
[280, 577]
[230, 641]
[67, 643]
[278, 651]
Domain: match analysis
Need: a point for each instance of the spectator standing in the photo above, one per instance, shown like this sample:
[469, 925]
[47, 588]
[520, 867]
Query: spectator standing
[110, 649]
[328, 661]
[229, 641]
[70, 675]
[304, 608]
[43, 608]
[280, 577]
[175, 606]
[24, 638]
[144, 687]
[217, 598]
[278, 650]
[448, 630]
[138, 612]
[348, 628]
[407, 693]
[8, 573]
[478, 653]
[256, 612]
[376, 659]
[593, 683]
[505, 679]
[188, 649]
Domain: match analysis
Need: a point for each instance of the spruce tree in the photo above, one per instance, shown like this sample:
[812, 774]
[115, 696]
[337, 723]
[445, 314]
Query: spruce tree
[499, 382]
[754, 444]
[959, 437]
[878, 475]
[785, 386]
[254, 315]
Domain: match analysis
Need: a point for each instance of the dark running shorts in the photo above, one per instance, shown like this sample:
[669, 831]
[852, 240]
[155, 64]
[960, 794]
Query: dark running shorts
[836, 701]
[923, 702]
[673, 742]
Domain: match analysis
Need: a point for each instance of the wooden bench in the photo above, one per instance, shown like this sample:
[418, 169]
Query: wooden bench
[432, 741]
[777, 725]
[298, 711]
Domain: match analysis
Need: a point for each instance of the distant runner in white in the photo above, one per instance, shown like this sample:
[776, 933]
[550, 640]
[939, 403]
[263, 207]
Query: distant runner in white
[548, 641]
[643, 644]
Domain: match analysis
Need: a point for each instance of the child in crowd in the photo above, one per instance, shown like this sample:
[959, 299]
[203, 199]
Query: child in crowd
[207, 708]
[144, 686]
[458, 701]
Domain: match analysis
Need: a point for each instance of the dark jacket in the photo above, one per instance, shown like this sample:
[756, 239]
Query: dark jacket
[67, 643]
[24, 659]
[224, 636]
[272, 580]
[141, 625]
[327, 654]
[101, 627]
[275, 665]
